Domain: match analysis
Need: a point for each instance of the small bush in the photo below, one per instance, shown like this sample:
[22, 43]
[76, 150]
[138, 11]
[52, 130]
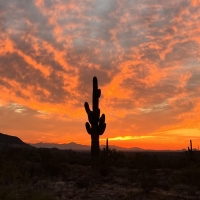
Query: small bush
[147, 180]
[189, 176]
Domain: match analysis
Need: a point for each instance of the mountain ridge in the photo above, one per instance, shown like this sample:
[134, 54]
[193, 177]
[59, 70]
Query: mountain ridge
[11, 141]
[80, 147]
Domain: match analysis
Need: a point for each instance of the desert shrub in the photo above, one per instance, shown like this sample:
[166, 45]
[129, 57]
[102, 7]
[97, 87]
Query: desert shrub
[52, 169]
[147, 180]
[143, 160]
[173, 160]
[12, 172]
[83, 182]
[84, 160]
[117, 158]
[132, 175]
[189, 176]
[164, 178]
[104, 170]
[10, 193]
[187, 189]
[34, 169]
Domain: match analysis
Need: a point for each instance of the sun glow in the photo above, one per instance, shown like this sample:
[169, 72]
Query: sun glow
[121, 138]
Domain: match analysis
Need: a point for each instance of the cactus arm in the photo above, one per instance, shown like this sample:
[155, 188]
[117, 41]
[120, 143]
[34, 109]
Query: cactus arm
[99, 93]
[102, 129]
[102, 125]
[88, 128]
[89, 113]
[87, 107]
[96, 94]
[102, 119]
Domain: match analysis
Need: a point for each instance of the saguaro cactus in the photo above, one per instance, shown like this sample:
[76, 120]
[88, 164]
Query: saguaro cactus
[190, 148]
[190, 151]
[107, 147]
[105, 150]
[96, 125]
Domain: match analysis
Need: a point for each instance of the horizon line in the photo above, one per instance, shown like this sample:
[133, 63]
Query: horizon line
[126, 148]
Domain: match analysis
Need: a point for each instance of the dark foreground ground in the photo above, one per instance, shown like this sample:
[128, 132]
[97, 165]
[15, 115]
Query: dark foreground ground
[48, 174]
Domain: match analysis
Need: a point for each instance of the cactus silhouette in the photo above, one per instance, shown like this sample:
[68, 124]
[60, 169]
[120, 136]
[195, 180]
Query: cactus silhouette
[96, 125]
[107, 147]
[190, 148]
[106, 150]
[190, 151]
[107, 153]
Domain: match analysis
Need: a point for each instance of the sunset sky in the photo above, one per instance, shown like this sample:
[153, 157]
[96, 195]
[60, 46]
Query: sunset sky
[145, 54]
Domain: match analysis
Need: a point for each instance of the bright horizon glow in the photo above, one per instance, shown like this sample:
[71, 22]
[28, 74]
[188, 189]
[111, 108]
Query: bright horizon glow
[145, 54]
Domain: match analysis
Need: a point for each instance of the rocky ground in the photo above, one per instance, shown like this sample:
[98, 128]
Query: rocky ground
[124, 184]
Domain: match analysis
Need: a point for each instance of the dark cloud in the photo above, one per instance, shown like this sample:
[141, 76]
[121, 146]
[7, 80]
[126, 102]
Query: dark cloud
[16, 69]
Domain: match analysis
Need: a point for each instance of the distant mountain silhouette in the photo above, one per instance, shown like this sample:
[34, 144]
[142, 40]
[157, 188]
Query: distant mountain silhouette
[71, 145]
[80, 147]
[124, 149]
[11, 141]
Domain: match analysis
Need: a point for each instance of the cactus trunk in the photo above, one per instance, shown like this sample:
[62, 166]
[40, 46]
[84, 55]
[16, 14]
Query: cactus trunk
[107, 147]
[95, 146]
[96, 125]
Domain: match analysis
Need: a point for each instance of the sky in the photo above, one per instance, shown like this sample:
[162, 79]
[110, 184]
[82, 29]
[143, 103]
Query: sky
[145, 54]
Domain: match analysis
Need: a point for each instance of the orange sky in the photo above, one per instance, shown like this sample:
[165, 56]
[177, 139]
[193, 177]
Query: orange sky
[145, 54]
